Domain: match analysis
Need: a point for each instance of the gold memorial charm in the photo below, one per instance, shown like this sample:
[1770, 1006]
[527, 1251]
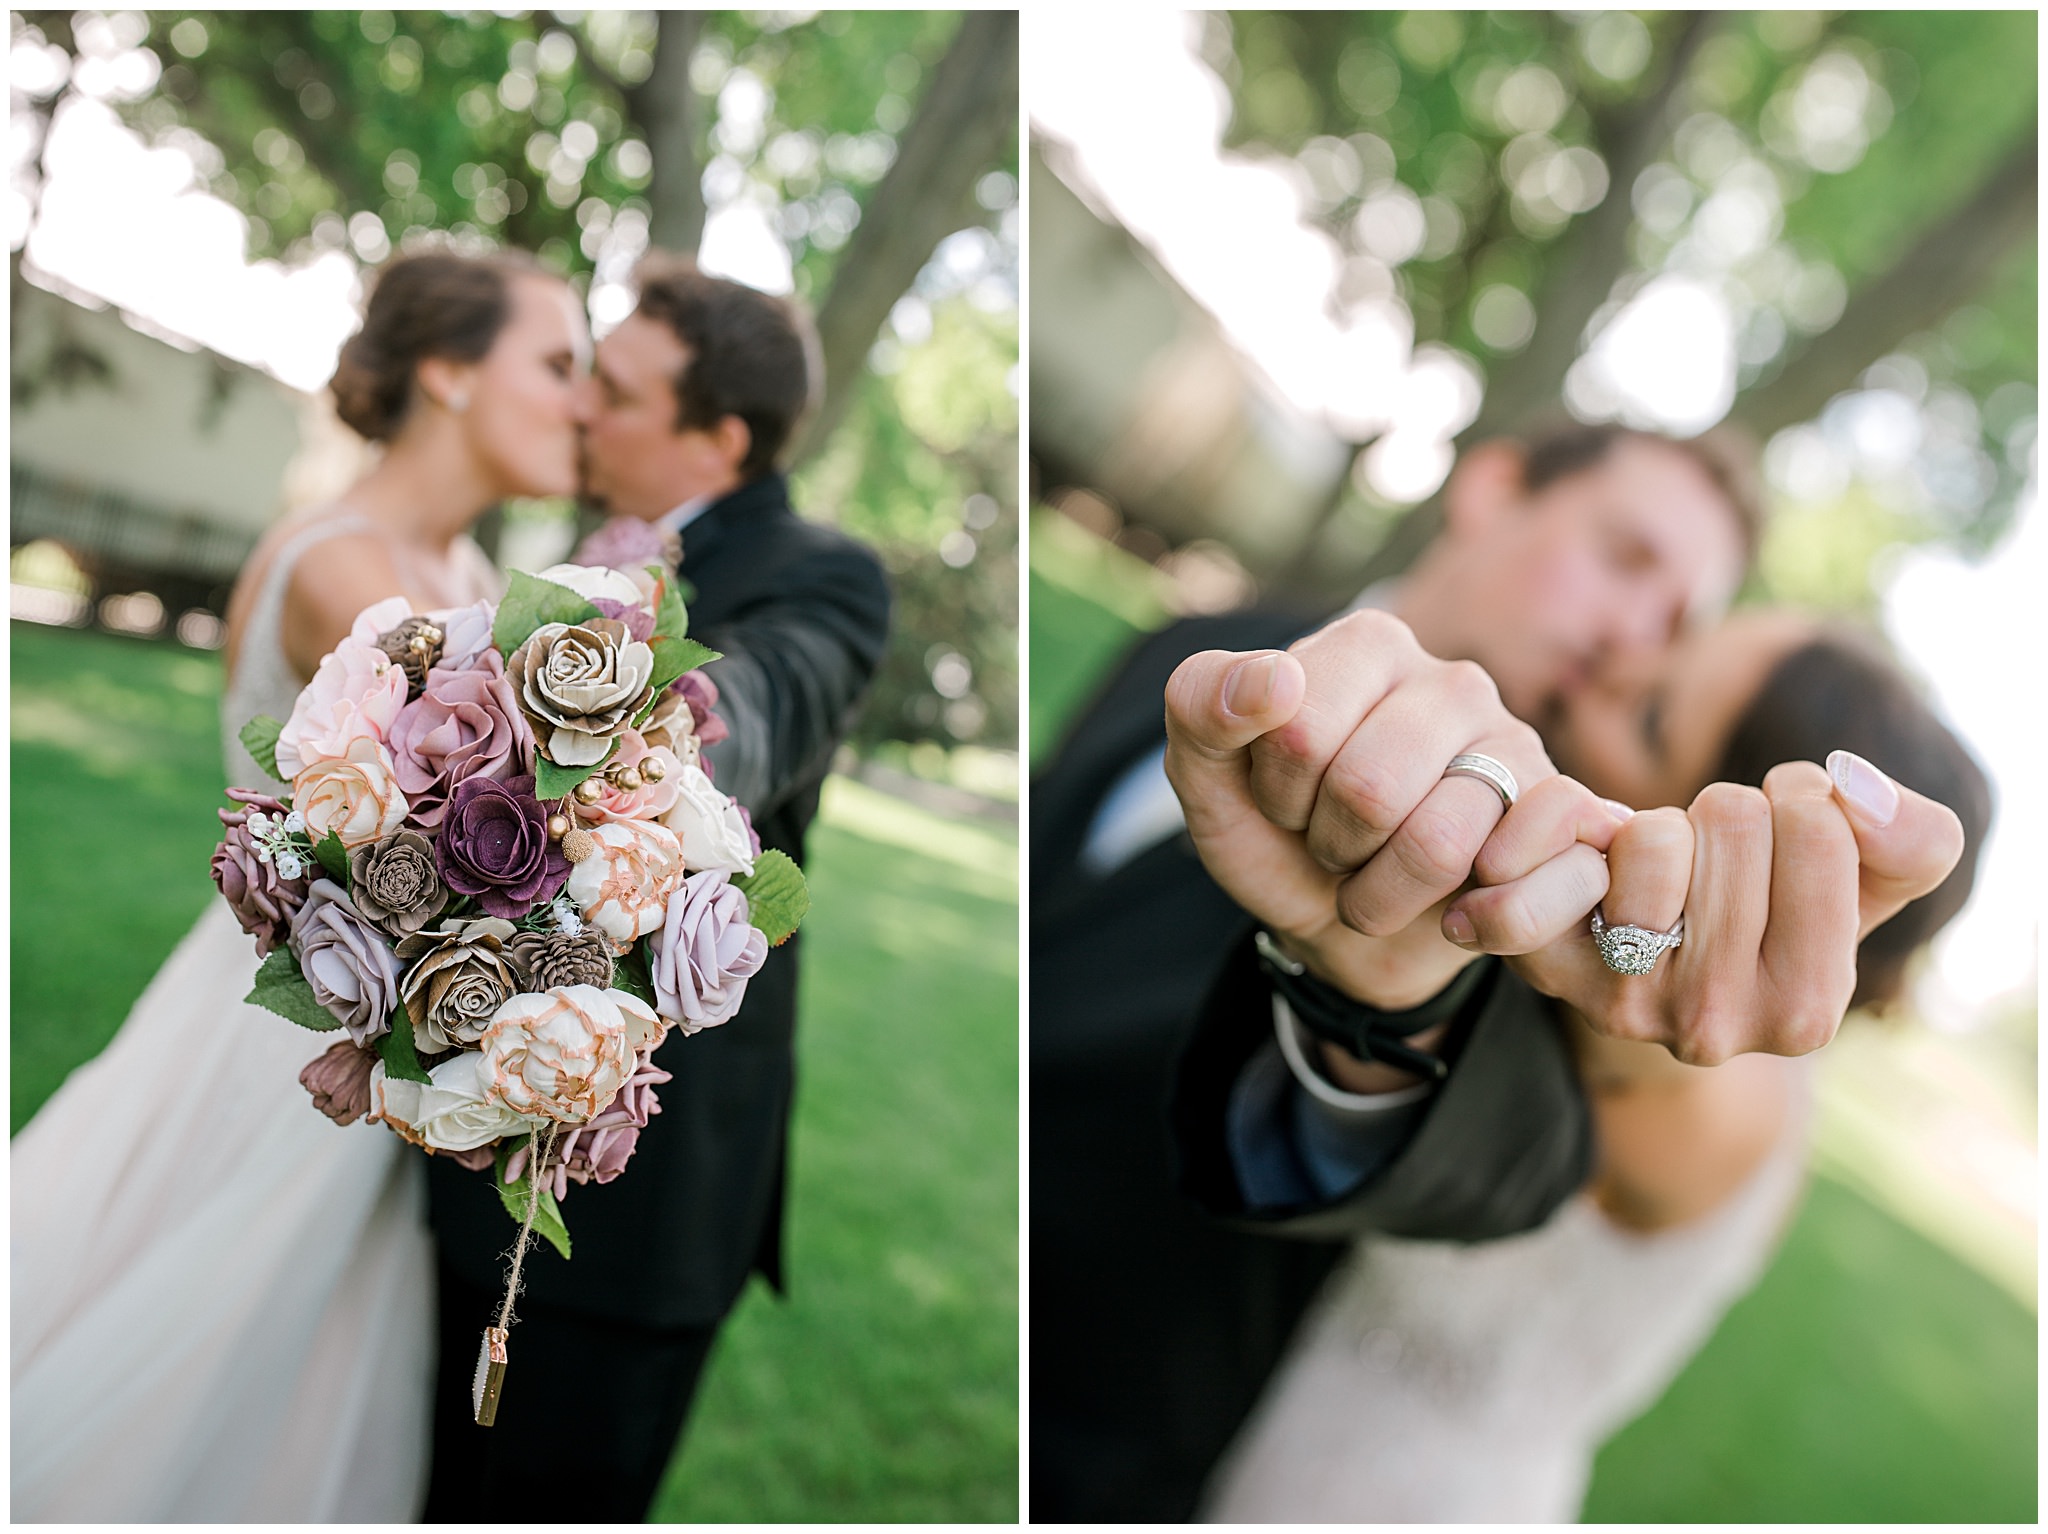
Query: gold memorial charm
[490, 1376]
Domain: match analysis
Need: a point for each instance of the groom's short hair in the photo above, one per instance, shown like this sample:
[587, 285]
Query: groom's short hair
[752, 354]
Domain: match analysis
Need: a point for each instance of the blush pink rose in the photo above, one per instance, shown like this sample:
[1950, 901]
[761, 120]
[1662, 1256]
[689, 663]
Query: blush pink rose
[355, 695]
[356, 797]
[704, 953]
[650, 801]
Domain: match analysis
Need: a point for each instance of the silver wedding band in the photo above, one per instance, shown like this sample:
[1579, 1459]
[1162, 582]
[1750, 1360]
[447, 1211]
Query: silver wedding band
[1495, 775]
[1633, 950]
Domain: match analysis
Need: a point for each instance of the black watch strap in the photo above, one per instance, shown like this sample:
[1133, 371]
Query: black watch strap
[1366, 1031]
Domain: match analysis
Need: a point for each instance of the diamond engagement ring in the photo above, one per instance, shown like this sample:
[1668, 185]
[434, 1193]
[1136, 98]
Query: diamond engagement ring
[1633, 950]
[1493, 774]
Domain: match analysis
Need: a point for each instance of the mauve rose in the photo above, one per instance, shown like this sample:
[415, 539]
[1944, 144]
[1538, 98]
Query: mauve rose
[464, 724]
[627, 543]
[340, 1081]
[262, 902]
[638, 620]
[394, 885]
[704, 952]
[347, 962]
[354, 696]
[494, 845]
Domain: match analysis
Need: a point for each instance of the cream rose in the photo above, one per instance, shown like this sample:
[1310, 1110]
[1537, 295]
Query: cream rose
[564, 1053]
[355, 695]
[454, 1111]
[622, 889]
[594, 584]
[357, 797]
[709, 825]
[580, 685]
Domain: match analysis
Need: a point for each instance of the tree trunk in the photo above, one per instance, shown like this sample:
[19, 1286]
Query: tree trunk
[967, 117]
[669, 111]
[1950, 262]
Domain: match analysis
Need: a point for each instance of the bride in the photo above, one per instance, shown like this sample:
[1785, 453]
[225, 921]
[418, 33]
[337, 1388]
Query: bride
[222, 1301]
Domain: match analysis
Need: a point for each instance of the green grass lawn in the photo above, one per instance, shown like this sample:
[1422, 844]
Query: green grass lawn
[1872, 1376]
[885, 1387]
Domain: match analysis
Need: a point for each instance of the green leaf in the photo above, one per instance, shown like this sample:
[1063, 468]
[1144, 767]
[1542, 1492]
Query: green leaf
[671, 617]
[629, 974]
[334, 858]
[777, 897]
[282, 989]
[551, 782]
[547, 1219]
[399, 1050]
[529, 604]
[259, 739]
[672, 658]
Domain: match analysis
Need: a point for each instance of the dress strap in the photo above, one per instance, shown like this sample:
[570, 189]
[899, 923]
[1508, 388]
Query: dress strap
[267, 611]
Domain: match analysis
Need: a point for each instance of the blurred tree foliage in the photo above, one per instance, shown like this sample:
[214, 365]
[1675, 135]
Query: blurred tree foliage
[1859, 186]
[871, 141]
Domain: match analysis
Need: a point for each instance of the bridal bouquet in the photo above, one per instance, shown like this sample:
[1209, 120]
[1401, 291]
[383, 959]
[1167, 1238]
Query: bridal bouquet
[503, 872]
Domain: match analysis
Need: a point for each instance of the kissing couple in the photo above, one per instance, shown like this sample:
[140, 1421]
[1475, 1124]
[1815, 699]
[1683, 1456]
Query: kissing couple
[275, 1319]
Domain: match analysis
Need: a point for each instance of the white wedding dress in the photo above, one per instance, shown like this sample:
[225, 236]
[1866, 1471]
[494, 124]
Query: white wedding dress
[1434, 1382]
[223, 1301]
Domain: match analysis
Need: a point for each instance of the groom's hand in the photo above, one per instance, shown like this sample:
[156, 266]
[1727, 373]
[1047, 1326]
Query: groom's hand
[1777, 888]
[1313, 784]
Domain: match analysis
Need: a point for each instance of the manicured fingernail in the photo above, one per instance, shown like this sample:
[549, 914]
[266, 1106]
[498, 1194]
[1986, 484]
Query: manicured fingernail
[1458, 928]
[1869, 790]
[1249, 689]
[1617, 809]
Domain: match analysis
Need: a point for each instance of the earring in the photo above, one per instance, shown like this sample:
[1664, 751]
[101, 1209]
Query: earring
[459, 401]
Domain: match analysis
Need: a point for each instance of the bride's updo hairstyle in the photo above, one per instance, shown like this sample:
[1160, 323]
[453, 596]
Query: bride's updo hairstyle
[1841, 691]
[433, 304]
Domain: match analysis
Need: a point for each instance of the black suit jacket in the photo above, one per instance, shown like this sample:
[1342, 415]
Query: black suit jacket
[1159, 1303]
[801, 614]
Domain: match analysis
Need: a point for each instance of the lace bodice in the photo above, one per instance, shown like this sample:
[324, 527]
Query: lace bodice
[263, 681]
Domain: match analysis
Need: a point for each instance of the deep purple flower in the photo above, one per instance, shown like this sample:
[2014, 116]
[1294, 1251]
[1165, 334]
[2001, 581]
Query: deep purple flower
[262, 902]
[494, 845]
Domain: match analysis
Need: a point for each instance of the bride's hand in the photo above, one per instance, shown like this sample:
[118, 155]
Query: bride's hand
[1777, 887]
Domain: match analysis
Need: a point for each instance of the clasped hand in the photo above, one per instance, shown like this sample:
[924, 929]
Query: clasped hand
[1312, 781]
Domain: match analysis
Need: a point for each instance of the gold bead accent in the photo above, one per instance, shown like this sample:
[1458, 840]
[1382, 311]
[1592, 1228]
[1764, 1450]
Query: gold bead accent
[629, 780]
[587, 792]
[578, 845]
[558, 827]
[652, 770]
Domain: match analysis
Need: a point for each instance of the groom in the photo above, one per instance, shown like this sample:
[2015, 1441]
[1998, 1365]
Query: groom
[695, 399]
[1173, 1135]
